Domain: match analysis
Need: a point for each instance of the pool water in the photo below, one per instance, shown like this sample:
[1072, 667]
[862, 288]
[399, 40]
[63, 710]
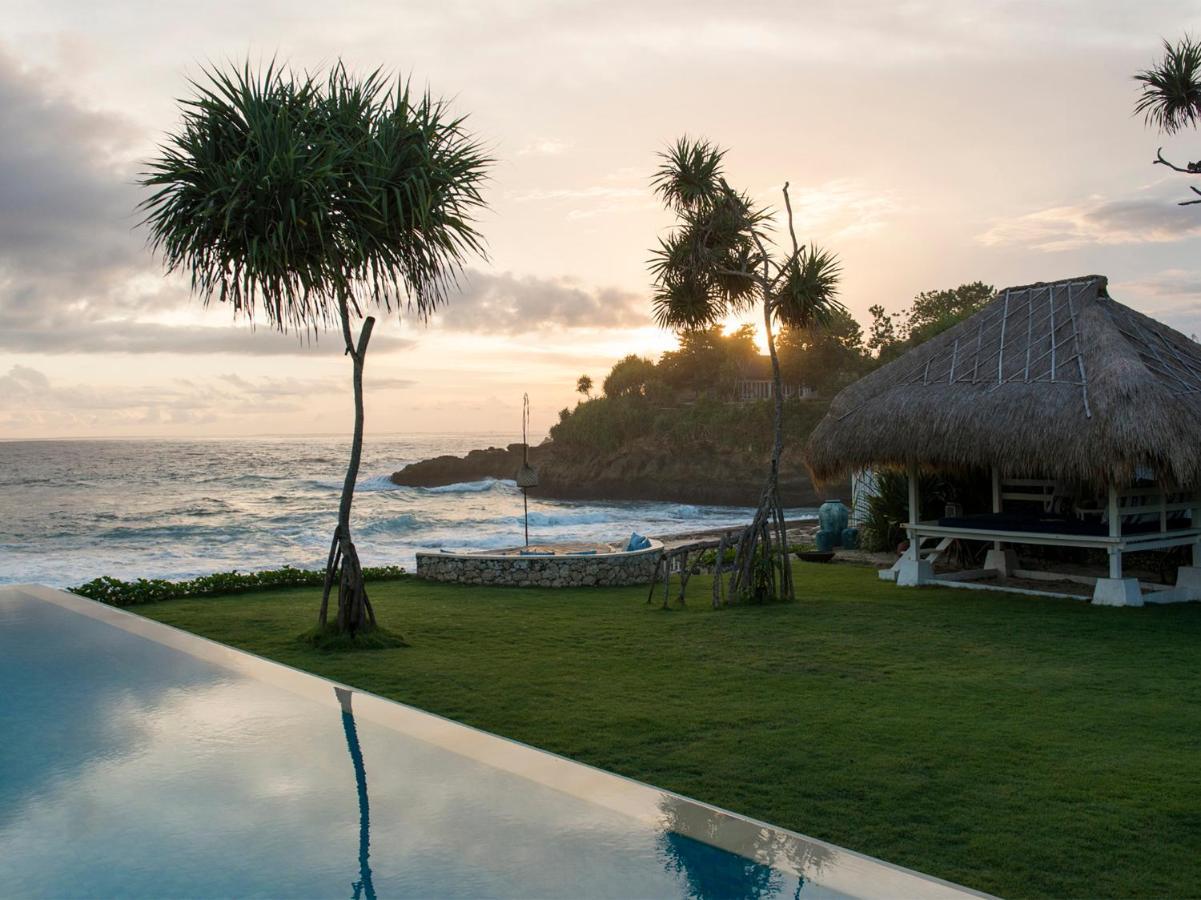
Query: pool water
[139, 761]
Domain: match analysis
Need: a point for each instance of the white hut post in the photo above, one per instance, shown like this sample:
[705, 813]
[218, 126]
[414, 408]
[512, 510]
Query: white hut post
[1115, 530]
[914, 542]
[911, 569]
[996, 498]
[1003, 562]
[1195, 522]
[1116, 590]
[1188, 578]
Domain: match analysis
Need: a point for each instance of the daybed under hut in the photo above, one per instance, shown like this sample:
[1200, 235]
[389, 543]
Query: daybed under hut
[1085, 415]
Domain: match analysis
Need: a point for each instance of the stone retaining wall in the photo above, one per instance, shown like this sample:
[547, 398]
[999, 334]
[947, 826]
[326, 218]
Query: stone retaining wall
[609, 569]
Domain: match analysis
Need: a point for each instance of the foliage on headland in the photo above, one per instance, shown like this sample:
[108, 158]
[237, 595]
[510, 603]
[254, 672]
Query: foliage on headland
[116, 592]
[607, 423]
[686, 396]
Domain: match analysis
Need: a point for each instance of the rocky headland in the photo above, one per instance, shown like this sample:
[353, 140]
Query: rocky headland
[647, 469]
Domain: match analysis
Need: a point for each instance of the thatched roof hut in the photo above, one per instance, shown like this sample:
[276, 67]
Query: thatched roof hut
[1051, 380]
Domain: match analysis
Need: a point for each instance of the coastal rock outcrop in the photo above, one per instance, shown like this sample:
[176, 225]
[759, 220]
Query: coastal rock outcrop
[648, 469]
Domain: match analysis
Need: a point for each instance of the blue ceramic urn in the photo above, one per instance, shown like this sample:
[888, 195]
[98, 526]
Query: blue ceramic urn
[832, 516]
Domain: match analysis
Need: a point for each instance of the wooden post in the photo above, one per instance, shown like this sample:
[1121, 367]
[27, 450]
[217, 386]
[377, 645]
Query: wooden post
[1115, 530]
[719, 593]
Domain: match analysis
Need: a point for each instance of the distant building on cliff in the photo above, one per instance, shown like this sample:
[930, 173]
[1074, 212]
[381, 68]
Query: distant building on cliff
[754, 382]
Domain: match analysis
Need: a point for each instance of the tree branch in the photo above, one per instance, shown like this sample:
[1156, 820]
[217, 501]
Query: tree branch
[1193, 168]
[784, 267]
[791, 229]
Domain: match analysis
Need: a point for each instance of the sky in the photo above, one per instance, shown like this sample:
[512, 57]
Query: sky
[927, 143]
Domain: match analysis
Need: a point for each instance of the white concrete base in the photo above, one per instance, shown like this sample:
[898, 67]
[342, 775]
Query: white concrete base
[1117, 592]
[891, 574]
[1188, 582]
[912, 572]
[1003, 562]
[1186, 590]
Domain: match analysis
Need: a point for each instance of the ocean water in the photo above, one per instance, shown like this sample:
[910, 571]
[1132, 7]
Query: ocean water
[75, 510]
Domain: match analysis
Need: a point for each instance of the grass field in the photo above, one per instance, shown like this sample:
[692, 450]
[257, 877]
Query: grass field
[1022, 746]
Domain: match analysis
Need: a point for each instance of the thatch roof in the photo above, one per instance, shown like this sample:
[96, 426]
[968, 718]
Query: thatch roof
[1052, 380]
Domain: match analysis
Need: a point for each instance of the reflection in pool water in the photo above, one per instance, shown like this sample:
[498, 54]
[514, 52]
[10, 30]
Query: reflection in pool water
[363, 887]
[138, 761]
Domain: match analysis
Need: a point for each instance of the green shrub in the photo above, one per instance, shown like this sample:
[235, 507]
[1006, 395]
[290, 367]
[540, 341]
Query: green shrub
[116, 592]
[604, 424]
[888, 510]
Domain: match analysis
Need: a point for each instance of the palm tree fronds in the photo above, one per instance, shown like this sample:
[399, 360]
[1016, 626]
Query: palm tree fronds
[690, 175]
[291, 195]
[808, 292]
[1171, 89]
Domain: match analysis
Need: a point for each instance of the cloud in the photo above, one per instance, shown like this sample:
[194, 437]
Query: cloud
[839, 209]
[1137, 220]
[544, 147]
[148, 337]
[75, 275]
[593, 200]
[22, 382]
[512, 304]
[1170, 283]
[1171, 295]
[29, 399]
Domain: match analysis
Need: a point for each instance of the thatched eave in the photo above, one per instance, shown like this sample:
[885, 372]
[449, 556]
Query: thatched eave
[1051, 380]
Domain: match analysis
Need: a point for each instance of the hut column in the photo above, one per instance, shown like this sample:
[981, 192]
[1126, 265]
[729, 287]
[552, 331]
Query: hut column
[1188, 578]
[1116, 590]
[914, 517]
[911, 569]
[1003, 562]
[1195, 522]
[1115, 530]
[996, 498]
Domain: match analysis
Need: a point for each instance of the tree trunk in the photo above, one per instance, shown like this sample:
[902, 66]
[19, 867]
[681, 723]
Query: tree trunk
[775, 503]
[765, 541]
[354, 608]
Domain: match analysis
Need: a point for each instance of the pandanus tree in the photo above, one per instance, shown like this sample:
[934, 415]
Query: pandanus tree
[308, 200]
[1170, 99]
[719, 259]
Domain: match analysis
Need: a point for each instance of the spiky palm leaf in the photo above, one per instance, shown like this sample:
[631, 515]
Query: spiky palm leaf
[292, 195]
[690, 175]
[706, 267]
[808, 294]
[1171, 94]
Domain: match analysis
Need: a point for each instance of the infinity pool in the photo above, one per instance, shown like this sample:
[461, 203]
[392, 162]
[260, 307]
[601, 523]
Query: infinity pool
[140, 761]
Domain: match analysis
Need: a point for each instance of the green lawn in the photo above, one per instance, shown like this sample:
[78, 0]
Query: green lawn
[1021, 746]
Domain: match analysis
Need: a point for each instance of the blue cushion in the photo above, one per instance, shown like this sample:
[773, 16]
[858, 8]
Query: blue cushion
[582, 553]
[637, 542]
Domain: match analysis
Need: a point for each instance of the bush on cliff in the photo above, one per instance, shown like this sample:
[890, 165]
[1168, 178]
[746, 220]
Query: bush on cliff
[607, 423]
